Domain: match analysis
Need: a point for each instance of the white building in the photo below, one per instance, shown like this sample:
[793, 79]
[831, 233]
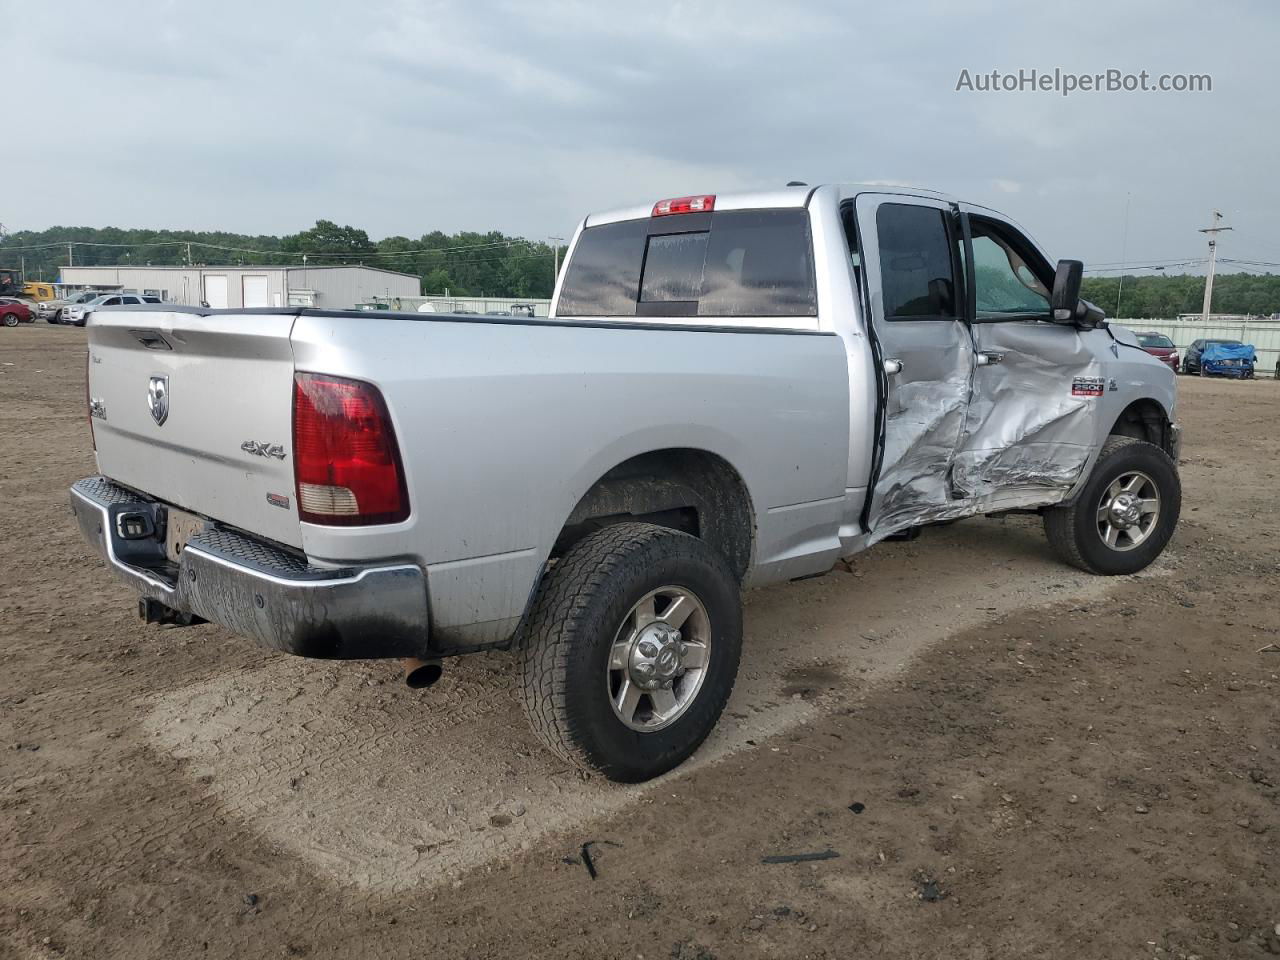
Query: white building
[331, 288]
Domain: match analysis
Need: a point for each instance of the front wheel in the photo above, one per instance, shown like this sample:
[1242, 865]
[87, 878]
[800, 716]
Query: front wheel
[1126, 513]
[631, 650]
[10, 319]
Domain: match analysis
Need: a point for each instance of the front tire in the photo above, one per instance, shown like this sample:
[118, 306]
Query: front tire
[1126, 513]
[631, 650]
[10, 319]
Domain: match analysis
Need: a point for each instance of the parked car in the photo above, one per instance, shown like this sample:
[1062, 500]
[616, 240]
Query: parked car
[1191, 361]
[51, 311]
[730, 391]
[1160, 347]
[14, 312]
[76, 314]
[1228, 360]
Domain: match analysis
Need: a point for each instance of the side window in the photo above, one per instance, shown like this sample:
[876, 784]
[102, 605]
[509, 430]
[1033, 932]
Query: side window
[917, 272]
[1005, 287]
[112, 302]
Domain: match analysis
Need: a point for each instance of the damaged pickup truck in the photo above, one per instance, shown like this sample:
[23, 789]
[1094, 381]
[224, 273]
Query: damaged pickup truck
[730, 391]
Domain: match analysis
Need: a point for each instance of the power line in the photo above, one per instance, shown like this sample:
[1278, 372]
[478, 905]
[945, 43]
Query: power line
[1145, 266]
[274, 252]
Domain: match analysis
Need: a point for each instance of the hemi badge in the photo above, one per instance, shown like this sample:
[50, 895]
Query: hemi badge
[277, 500]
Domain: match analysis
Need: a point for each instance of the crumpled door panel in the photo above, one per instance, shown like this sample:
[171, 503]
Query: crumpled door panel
[1032, 416]
[925, 418]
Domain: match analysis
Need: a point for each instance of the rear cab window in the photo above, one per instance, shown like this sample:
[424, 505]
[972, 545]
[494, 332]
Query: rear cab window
[733, 263]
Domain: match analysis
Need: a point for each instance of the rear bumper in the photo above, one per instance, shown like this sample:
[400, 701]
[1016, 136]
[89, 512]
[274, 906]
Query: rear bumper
[258, 589]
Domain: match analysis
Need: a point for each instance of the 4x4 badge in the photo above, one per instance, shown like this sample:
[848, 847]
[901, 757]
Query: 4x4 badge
[158, 399]
[274, 450]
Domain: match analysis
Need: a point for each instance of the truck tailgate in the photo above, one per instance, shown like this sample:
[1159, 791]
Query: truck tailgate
[196, 410]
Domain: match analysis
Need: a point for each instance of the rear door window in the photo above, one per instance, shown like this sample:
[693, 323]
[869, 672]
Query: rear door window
[917, 269]
[738, 263]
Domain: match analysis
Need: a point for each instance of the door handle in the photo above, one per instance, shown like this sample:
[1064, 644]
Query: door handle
[990, 359]
[893, 366]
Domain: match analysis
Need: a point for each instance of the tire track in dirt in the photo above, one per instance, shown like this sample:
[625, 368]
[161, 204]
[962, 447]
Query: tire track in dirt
[382, 788]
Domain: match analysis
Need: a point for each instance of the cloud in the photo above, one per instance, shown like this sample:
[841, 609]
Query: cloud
[403, 116]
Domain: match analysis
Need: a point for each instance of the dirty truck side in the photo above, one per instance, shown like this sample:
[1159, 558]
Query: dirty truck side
[731, 391]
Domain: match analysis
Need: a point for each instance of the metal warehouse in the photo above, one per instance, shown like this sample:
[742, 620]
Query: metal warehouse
[330, 287]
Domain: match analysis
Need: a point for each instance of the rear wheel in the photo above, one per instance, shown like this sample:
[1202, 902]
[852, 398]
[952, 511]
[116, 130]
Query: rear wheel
[10, 319]
[631, 650]
[1126, 513]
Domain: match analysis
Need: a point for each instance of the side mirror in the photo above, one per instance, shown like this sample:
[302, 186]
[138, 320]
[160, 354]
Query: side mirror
[1065, 298]
[1090, 315]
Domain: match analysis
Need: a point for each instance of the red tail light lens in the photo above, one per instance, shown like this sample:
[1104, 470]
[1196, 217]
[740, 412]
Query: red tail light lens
[345, 458]
[700, 204]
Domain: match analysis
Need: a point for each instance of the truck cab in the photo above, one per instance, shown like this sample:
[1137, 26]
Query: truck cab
[966, 394]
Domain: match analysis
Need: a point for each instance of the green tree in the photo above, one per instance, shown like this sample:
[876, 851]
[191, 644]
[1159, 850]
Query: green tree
[326, 237]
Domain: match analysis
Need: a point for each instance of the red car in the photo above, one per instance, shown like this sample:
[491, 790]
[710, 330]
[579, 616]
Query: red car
[14, 312]
[1160, 347]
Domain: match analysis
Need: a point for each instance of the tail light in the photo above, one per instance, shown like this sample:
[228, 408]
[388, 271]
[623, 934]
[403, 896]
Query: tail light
[700, 204]
[345, 458]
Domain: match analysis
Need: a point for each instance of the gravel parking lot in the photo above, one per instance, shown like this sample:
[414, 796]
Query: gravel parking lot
[1008, 758]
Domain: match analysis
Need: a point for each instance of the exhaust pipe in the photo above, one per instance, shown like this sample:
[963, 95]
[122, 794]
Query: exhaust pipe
[153, 611]
[420, 674]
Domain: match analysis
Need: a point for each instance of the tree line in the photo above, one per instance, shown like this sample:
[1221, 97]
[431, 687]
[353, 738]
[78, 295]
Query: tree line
[1168, 296]
[464, 264]
[497, 265]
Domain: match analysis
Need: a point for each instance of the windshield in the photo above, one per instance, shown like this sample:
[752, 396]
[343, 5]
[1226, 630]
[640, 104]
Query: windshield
[1154, 340]
[1223, 343]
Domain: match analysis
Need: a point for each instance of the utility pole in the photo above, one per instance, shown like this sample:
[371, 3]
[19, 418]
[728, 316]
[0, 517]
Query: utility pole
[70, 259]
[188, 254]
[555, 247]
[1124, 251]
[1213, 232]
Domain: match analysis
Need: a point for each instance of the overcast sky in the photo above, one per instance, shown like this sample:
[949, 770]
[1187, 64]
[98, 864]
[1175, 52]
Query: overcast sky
[404, 117]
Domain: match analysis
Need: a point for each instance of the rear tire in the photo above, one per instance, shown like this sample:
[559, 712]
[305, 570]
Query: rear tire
[1076, 531]
[585, 611]
[10, 319]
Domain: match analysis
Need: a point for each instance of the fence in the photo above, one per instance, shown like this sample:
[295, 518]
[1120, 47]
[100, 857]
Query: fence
[1264, 334]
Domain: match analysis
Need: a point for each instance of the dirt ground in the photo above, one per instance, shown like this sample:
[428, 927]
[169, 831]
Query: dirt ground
[1006, 758]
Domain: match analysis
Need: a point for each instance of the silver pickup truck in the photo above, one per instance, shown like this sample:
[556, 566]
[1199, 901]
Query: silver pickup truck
[731, 390]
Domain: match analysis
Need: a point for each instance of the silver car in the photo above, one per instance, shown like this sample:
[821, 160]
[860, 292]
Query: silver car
[75, 314]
